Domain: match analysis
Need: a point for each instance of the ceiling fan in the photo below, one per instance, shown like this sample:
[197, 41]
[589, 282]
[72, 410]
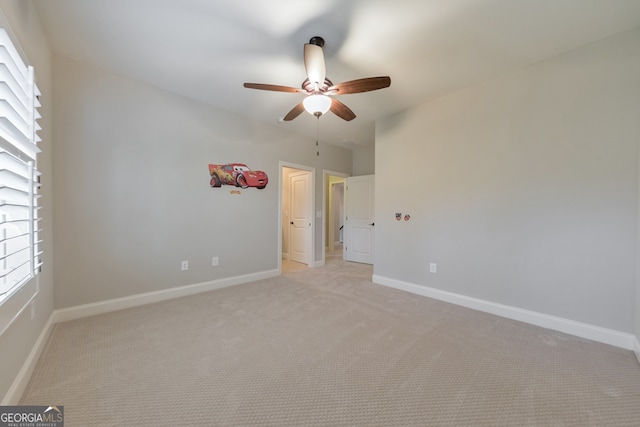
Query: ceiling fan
[319, 89]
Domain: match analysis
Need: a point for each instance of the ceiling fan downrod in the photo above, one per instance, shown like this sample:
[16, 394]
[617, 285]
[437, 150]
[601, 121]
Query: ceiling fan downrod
[317, 40]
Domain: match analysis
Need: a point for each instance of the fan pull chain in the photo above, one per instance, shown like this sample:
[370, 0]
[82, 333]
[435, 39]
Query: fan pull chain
[318, 136]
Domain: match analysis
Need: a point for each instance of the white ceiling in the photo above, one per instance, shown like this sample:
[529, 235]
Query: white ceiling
[206, 49]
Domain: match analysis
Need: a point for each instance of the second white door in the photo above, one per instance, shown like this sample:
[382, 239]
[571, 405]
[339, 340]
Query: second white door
[359, 213]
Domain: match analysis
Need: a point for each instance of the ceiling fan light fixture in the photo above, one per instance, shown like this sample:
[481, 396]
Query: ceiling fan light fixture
[317, 105]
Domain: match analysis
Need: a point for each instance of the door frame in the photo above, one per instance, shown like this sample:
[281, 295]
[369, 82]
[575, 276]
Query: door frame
[312, 173]
[325, 180]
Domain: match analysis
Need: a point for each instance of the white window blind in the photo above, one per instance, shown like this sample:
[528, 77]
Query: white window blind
[19, 178]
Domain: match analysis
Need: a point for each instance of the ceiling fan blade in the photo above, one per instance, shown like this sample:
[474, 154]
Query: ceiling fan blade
[341, 110]
[275, 88]
[314, 64]
[295, 112]
[361, 85]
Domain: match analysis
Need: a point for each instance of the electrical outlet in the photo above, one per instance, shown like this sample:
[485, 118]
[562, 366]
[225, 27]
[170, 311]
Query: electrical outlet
[185, 265]
[215, 261]
[432, 268]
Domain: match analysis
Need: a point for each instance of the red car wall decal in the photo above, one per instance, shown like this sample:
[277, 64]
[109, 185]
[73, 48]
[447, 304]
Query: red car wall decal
[237, 174]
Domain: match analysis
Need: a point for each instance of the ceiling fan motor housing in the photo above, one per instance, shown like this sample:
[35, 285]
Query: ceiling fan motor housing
[310, 88]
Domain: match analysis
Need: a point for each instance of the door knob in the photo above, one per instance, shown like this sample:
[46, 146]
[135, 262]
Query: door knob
[291, 222]
[372, 224]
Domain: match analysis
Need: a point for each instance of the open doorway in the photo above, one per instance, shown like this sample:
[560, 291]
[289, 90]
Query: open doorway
[296, 219]
[333, 224]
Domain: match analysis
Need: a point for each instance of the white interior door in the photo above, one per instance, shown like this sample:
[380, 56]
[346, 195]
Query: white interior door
[359, 219]
[300, 219]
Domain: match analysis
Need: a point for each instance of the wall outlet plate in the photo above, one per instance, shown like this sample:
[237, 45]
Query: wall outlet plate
[215, 261]
[432, 267]
[184, 265]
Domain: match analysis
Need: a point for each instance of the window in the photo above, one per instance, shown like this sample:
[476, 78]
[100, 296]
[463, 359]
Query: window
[19, 177]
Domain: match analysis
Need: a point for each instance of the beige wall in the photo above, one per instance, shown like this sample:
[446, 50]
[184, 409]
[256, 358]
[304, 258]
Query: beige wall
[133, 194]
[523, 190]
[364, 160]
[17, 342]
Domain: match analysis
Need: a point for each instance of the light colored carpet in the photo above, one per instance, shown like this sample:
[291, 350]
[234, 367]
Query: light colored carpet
[327, 347]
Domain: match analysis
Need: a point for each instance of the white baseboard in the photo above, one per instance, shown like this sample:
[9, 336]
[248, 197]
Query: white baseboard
[80, 311]
[583, 330]
[22, 379]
